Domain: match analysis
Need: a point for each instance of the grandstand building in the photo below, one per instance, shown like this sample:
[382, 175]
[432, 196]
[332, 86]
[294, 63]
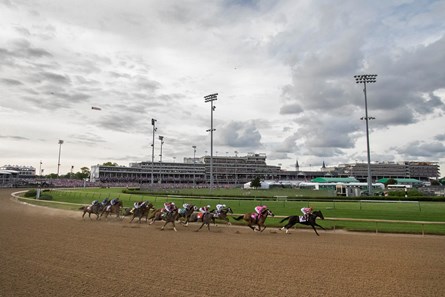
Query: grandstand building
[238, 170]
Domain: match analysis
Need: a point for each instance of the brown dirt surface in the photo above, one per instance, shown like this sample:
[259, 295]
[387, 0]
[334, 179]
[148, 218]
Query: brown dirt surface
[49, 252]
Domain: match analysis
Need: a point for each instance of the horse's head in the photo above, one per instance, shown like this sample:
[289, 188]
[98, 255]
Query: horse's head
[318, 213]
[229, 210]
[267, 212]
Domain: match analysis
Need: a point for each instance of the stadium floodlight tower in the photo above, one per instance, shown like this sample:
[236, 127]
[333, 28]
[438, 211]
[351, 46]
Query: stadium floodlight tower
[58, 162]
[161, 138]
[366, 79]
[153, 123]
[194, 165]
[210, 98]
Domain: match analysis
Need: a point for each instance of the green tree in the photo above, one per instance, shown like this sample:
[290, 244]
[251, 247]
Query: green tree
[84, 173]
[110, 164]
[256, 183]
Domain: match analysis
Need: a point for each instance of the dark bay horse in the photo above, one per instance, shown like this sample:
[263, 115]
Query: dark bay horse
[186, 213]
[311, 221]
[252, 219]
[222, 215]
[207, 218]
[140, 212]
[112, 209]
[95, 208]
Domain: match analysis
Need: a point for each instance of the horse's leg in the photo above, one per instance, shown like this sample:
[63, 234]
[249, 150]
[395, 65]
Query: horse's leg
[200, 227]
[174, 225]
[264, 227]
[313, 227]
[319, 226]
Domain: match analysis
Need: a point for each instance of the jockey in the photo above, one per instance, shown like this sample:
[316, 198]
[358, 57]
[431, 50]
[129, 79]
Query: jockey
[186, 206]
[114, 201]
[169, 206]
[139, 204]
[259, 209]
[306, 212]
[95, 202]
[105, 201]
[205, 209]
[219, 208]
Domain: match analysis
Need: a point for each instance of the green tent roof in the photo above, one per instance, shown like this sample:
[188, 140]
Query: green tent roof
[334, 180]
[401, 180]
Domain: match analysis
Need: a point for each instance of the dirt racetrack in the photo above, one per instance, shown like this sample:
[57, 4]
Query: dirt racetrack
[48, 252]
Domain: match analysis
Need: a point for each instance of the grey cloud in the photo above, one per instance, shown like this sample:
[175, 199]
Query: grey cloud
[11, 82]
[291, 109]
[421, 149]
[440, 137]
[55, 78]
[239, 134]
[120, 122]
[13, 137]
[86, 138]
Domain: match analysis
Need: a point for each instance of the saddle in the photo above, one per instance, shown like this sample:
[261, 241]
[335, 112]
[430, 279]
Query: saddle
[302, 219]
[255, 216]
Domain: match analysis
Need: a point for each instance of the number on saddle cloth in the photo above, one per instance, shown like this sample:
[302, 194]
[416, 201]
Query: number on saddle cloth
[199, 215]
[302, 219]
[254, 216]
[182, 211]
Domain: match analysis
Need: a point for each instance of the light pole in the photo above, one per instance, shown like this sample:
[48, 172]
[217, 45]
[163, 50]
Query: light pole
[60, 150]
[211, 98]
[236, 166]
[194, 165]
[40, 168]
[153, 123]
[364, 79]
[161, 138]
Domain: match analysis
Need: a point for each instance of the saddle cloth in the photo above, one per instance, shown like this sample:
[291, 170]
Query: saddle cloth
[302, 219]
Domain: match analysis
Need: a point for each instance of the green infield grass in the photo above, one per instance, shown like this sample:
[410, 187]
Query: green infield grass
[418, 211]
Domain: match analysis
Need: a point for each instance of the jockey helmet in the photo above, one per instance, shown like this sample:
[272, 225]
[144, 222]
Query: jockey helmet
[208, 206]
[265, 206]
[173, 203]
[224, 205]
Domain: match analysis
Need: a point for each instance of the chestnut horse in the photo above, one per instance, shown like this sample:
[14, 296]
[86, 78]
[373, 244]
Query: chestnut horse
[253, 219]
[311, 221]
[95, 208]
[168, 217]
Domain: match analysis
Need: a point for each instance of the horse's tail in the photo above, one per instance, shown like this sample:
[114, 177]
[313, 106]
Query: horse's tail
[239, 218]
[285, 219]
[82, 207]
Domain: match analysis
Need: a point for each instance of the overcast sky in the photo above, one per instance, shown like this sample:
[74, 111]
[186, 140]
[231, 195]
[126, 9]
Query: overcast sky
[283, 71]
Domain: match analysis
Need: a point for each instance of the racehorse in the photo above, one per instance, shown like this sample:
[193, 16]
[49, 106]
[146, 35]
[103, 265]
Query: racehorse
[139, 212]
[207, 218]
[311, 221]
[186, 213]
[252, 219]
[168, 217]
[222, 215]
[95, 208]
[110, 209]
